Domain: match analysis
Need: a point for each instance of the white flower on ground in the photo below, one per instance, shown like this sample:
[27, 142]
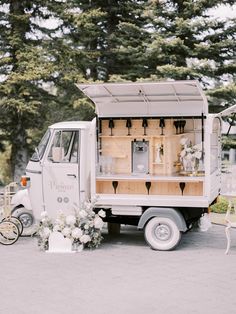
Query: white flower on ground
[46, 232]
[77, 233]
[66, 231]
[56, 228]
[86, 227]
[98, 223]
[83, 213]
[70, 220]
[85, 238]
[102, 213]
[44, 214]
[87, 205]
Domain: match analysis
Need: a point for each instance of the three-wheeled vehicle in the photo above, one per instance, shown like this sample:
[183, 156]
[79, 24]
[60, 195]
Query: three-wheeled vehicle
[151, 158]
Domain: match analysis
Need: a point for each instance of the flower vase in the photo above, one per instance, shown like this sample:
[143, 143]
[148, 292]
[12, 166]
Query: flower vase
[194, 166]
[185, 164]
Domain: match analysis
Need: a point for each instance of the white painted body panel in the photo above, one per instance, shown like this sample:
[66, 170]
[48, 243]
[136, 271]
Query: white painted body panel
[108, 200]
[21, 198]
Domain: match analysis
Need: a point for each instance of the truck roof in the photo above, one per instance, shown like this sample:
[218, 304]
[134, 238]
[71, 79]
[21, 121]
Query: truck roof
[147, 99]
[71, 125]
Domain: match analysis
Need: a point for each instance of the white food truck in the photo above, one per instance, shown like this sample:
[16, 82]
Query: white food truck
[151, 158]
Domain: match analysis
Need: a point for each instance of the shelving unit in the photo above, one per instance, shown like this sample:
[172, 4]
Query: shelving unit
[116, 151]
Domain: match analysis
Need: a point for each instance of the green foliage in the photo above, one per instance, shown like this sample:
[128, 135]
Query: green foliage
[221, 206]
[187, 43]
[228, 142]
[5, 166]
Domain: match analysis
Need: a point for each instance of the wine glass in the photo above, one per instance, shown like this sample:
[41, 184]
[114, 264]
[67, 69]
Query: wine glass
[115, 185]
[162, 125]
[145, 125]
[176, 124]
[111, 125]
[182, 187]
[182, 125]
[128, 125]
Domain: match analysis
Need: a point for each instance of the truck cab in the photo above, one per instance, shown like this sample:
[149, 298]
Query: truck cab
[150, 158]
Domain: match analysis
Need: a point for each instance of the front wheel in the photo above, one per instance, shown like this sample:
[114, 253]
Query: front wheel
[162, 234]
[27, 219]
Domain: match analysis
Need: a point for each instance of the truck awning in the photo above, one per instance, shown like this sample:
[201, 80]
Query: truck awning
[228, 111]
[139, 99]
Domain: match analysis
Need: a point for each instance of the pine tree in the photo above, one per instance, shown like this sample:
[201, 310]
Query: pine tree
[112, 34]
[38, 70]
[189, 44]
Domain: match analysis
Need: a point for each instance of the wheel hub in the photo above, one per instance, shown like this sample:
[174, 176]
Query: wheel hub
[162, 232]
[26, 220]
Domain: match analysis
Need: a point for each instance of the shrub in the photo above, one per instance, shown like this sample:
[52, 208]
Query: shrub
[221, 206]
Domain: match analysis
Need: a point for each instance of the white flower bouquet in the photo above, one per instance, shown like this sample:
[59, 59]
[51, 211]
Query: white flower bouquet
[190, 155]
[82, 228]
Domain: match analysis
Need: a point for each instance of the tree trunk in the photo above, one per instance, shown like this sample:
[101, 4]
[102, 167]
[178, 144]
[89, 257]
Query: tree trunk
[19, 153]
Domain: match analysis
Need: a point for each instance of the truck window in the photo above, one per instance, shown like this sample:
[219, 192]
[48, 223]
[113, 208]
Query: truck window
[41, 147]
[64, 147]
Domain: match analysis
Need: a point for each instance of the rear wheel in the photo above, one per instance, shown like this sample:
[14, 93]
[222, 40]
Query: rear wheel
[27, 219]
[162, 234]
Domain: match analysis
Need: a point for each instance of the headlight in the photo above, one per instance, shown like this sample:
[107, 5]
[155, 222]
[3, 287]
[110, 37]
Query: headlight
[25, 181]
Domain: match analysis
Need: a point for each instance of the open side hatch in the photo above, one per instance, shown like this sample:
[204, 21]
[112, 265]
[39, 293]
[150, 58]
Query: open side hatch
[163, 99]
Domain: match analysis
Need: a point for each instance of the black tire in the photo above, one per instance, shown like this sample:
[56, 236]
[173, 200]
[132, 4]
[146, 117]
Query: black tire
[9, 233]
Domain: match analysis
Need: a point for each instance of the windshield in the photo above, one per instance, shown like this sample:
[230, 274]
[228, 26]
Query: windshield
[38, 154]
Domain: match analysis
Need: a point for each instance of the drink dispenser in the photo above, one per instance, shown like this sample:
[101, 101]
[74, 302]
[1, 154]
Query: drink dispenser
[140, 156]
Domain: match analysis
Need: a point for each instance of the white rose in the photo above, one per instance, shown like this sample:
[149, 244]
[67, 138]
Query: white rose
[83, 213]
[86, 227]
[85, 238]
[198, 146]
[198, 155]
[87, 205]
[70, 220]
[77, 233]
[98, 223]
[102, 213]
[56, 228]
[188, 157]
[46, 232]
[66, 231]
[44, 214]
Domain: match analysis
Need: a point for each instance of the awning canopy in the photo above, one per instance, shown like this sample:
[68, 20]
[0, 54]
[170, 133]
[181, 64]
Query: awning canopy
[228, 111]
[155, 99]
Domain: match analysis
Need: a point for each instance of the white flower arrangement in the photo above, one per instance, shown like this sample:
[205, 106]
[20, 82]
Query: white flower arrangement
[190, 153]
[82, 228]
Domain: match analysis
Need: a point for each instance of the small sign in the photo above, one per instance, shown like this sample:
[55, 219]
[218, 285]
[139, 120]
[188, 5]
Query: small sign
[58, 244]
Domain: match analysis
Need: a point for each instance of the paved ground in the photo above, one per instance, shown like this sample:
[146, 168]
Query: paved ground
[123, 276]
